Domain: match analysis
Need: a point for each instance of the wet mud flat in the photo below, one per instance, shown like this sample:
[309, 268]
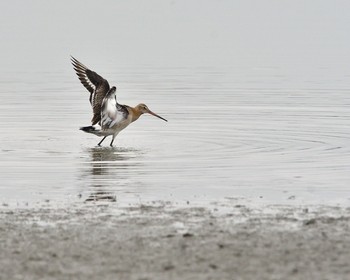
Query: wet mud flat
[160, 241]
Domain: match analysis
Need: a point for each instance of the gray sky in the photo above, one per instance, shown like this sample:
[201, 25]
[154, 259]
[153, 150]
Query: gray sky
[175, 33]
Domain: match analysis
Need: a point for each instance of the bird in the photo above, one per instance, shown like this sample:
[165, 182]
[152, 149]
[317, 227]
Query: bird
[111, 116]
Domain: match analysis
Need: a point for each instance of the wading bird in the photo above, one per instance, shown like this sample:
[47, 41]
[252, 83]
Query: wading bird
[107, 112]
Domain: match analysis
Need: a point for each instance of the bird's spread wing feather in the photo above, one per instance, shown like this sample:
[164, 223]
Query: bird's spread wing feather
[112, 113]
[95, 84]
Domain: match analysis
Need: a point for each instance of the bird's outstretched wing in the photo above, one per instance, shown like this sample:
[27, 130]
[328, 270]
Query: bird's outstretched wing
[112, 113]
[95, 84]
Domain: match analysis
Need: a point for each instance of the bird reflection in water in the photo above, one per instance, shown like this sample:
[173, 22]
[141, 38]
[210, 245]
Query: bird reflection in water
[107, 171]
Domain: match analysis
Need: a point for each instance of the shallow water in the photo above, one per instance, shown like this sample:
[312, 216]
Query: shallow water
[256, 94]
[261, 134]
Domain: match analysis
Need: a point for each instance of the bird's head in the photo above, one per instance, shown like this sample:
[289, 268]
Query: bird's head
[142, 108]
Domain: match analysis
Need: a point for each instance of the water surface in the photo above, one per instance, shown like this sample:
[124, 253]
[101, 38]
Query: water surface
[232, 132]
[256, 94]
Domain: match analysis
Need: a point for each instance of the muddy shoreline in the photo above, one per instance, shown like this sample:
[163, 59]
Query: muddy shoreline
[167, 242]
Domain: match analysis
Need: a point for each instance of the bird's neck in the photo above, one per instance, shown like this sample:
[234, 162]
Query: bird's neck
[135, 114]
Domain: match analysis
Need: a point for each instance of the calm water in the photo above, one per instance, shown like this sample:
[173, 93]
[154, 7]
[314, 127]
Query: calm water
[257, 94]
[264, 134]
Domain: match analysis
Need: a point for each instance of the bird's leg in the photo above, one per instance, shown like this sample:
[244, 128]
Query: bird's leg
[99, 144]
[112, 141]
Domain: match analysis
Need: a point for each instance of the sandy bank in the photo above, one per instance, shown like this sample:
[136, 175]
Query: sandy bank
[162, 242]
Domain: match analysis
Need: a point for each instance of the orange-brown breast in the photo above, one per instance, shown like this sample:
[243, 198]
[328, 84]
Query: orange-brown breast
[134, 113]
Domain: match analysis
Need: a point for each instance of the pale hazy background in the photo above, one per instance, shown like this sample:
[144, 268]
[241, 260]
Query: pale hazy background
[295, 35]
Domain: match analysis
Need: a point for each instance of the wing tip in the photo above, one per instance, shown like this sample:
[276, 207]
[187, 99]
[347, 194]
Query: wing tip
[77, 64]
[73, 59]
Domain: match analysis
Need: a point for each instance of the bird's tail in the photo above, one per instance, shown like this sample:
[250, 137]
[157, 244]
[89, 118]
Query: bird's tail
[92, 129]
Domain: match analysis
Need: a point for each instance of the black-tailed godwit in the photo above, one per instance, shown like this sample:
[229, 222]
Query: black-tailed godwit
[107, 112]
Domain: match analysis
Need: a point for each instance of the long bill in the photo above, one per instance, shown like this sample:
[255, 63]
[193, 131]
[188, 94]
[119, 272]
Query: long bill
[154, 114]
